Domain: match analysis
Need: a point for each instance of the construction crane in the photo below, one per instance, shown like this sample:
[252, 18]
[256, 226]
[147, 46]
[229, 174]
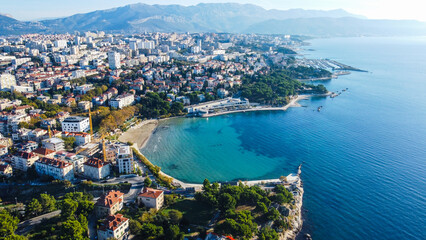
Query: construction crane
[103, 147]
[48, 128]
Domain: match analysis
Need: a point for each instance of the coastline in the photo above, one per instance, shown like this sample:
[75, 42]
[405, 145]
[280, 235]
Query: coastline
[141, 133]
[292, 103]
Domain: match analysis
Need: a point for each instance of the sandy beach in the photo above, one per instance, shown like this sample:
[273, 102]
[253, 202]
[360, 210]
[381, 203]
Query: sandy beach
[140, 133]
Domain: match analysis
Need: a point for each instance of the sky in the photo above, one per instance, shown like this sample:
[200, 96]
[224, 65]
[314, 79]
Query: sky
[374, 9]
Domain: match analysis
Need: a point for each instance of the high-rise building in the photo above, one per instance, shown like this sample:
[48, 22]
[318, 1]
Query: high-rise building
[77, 40]
[60, 43]
[7, 81]
[114, 60]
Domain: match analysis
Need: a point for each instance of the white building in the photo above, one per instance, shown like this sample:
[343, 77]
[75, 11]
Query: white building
[56, 168]
[122, 101]
[7, 81]
[55, 144]
[114, 60]
[125, 159]
[151, 198]
[23, 160]
[60, 43]
[96, 169]
[75, 124]
[114, 227]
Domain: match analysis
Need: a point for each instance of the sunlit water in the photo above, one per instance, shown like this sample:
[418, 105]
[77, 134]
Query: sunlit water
[364, 154]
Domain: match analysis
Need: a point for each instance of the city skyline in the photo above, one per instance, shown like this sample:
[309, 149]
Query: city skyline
[28, 10]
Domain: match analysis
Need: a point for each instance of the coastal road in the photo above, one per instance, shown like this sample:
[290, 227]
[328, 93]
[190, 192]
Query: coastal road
[27, 225]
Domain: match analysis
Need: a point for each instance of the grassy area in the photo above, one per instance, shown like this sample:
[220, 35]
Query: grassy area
[195, 212]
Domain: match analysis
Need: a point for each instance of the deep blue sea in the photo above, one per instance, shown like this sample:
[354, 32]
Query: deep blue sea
[364, 154]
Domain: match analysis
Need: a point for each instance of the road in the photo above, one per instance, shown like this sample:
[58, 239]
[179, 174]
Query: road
[135, 189]
[27, 225]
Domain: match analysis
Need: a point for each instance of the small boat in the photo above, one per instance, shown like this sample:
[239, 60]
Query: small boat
[319, 108]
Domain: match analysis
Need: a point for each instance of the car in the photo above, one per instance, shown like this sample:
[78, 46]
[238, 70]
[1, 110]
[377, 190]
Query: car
[104, 181]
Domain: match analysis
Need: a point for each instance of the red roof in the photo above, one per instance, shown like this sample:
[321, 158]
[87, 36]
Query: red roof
[110, 199]
[43, 151]
[95, 162]
[54, 162]
[26, 155]
[150, 193]
[113, 222]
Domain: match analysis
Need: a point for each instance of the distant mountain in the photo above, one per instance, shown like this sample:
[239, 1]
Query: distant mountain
[10, 26]
[332, 27]
[215, 17]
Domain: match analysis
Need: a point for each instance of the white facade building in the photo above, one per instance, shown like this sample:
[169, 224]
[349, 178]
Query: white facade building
[114, 60]
[125, 159]
[114, 227]
[54, 144]
[75, 124]
[122, 101]
[23, 160]
[96, 169]
[7, 81]
[56, 168]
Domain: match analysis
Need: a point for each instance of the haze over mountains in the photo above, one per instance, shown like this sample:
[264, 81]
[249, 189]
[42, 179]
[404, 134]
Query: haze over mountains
[216, 17]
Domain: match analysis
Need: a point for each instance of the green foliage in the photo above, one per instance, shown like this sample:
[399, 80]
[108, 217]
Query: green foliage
[261, 207]
[48, 202]
[147, 182]
[283, 195]
[241, 225]
[226, 202]
[115, 119]
[72, 230]
[161, 179]
[175, 216]
[68, 208]
[302, 72]
[8, 224]
[267, 234]
[150, 231]
[34, 208]
[69, 142]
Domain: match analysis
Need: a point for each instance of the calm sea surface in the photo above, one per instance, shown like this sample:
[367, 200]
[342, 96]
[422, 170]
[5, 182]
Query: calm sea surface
[364, 154]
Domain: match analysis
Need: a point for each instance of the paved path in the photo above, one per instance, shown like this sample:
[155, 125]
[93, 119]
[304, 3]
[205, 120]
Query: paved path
[27, 225]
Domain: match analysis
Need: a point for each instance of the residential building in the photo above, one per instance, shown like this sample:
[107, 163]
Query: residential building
[55, 144]
[76, 160]
[114, 60]
[151, 198]
[114, 227]
[44, 152]
[58, 169]
[75, 124]
[3, 150]
[122, 101]
[124, 159]
[23, 160]
[7, 81]
[6, 170]
[109, 204]
[96, 169]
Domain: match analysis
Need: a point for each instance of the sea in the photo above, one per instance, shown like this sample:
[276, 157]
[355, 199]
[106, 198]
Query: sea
[363, 154]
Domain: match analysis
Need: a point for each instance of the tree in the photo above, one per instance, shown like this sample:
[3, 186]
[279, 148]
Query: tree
[173, 233]
[175, 216]
[68, 208]
[47, 202]
[273, 214]
[261, 207]
[150, 231]
[8, 224]
[226, 201]
[147, 182]
[34, 207]
[69, 142]
[135, 227]
[72, 230]
[268, 234]
[15, 237]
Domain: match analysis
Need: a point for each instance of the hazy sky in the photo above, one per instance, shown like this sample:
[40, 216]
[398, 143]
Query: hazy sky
[385, 9]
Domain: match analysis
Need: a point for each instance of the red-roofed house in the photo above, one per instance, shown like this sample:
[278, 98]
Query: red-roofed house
[56, 168]
[96, 169]
[109, 204]
[23, 160]
[151, 198]
[114, 227]
[3, 150]
[44, 152]
[6, 170]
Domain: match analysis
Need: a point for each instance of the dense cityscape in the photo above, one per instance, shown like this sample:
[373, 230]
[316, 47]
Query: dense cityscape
[66, 99]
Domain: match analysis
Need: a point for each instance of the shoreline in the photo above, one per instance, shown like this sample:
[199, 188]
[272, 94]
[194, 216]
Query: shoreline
[292, 103]
[141, 133]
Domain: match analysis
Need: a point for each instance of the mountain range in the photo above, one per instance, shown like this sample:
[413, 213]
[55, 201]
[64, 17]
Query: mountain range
[216, 17]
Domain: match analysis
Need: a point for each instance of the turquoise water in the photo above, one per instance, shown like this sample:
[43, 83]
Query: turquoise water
[364, 153]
